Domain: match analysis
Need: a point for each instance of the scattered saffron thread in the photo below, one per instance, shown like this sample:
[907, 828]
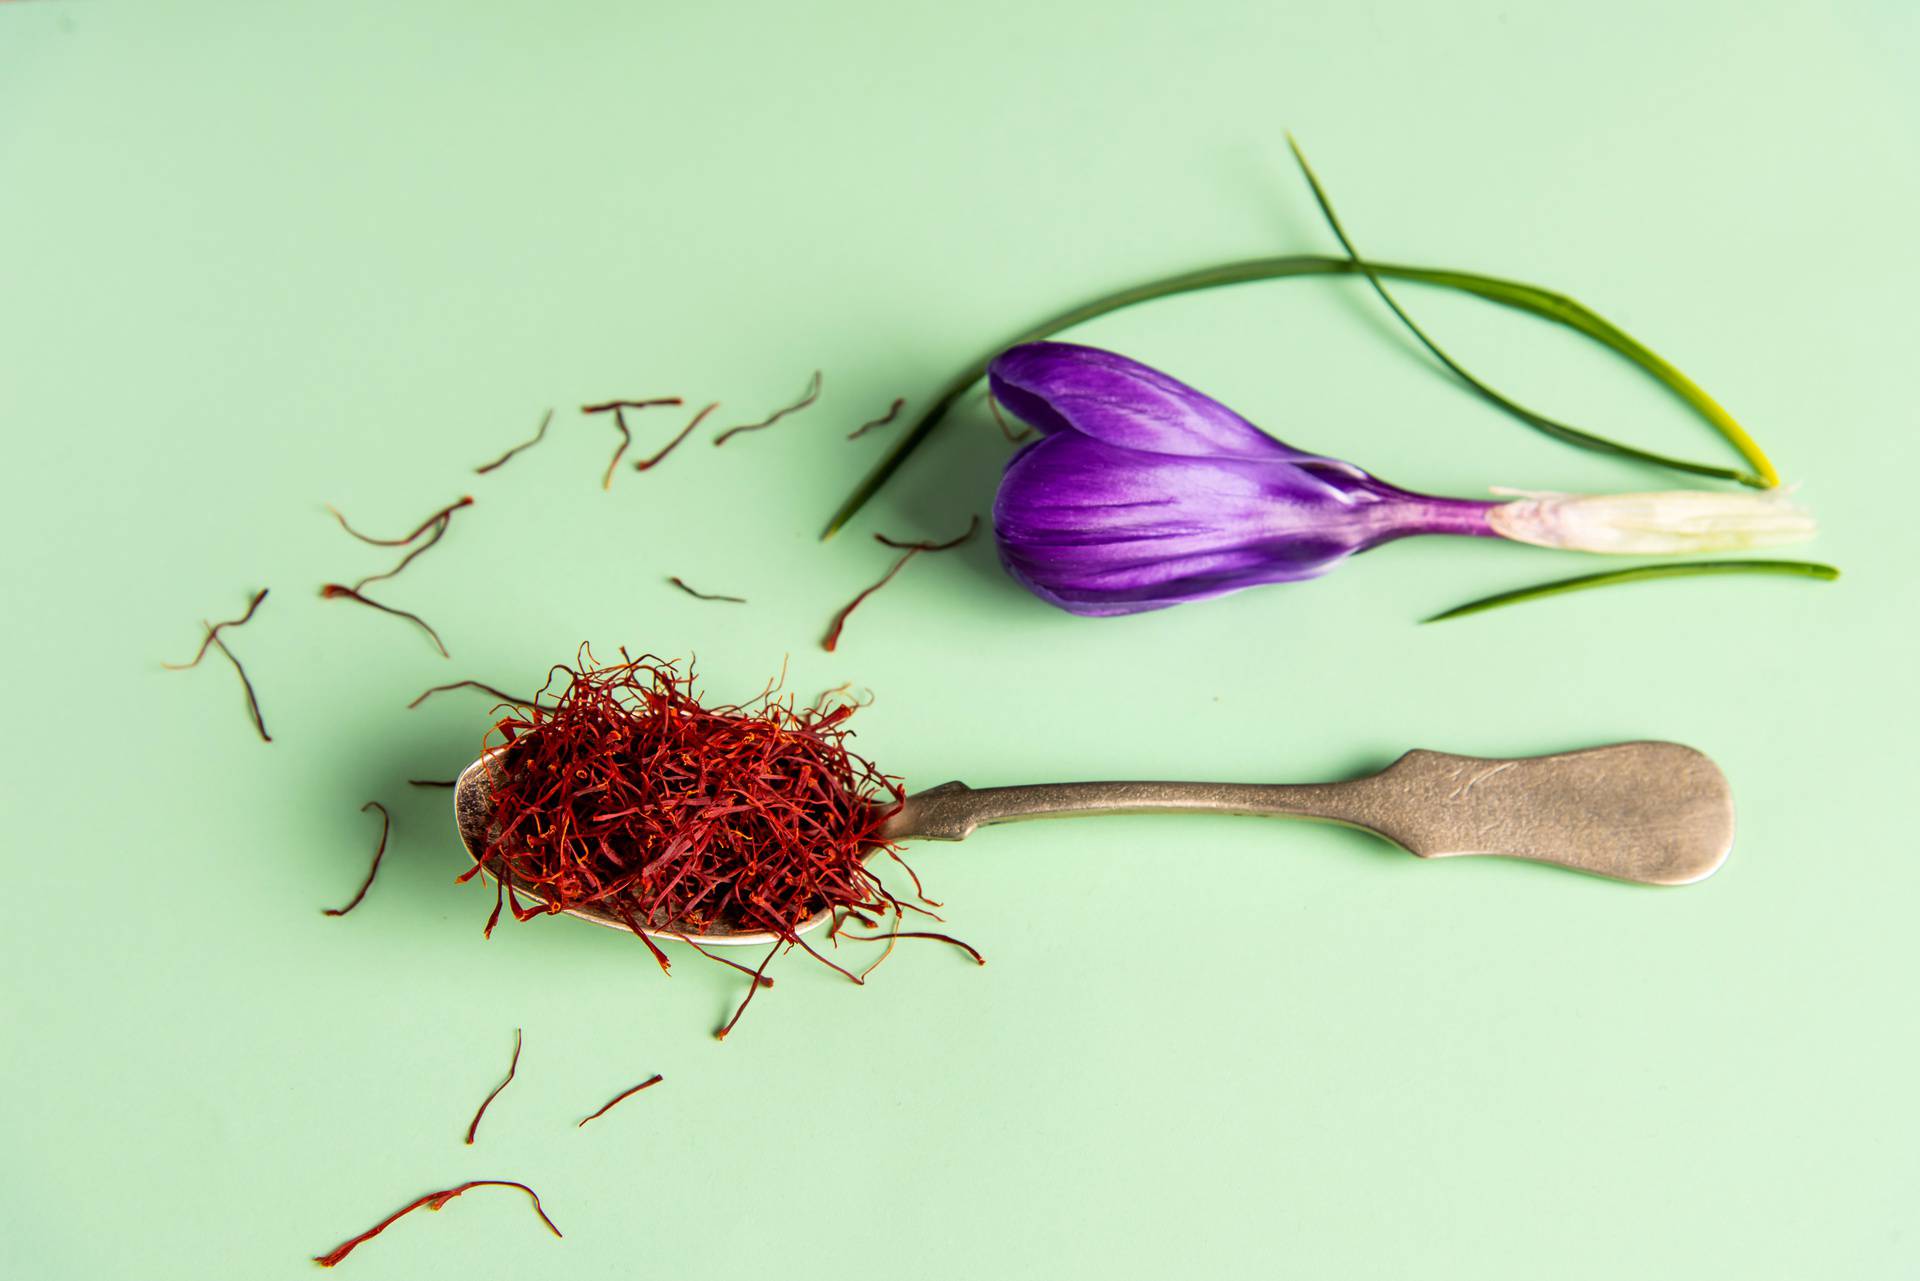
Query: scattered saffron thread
[473, 1127]
[618, 408]
[752, 988]
[968, 948]
[760, 979]
[501, 461]
[431, 1201]
[482, 686]
[910, 551]
[647, 464]
[379, 852]
[655, 1079]
[807, 397]
[698, 595]
[993, 403]
[339, 591]
[212, 640]
[433, 782]
[438, 530]
[424, 526]
[214, 630]
[893, 412]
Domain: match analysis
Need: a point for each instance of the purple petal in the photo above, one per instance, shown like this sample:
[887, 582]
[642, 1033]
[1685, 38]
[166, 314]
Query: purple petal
[1097, 529]
[1062, 387]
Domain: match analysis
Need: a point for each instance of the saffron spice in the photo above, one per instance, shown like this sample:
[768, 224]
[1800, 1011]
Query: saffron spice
[618, 408]
[466, 500]
[473, 1127]
[545, 420]
[893, 412]
[482, 686]
[340, 591]
[379, 852]
[625, 795]
[807, 397]
[993, 404]
[911, 550]
[431, 1201]
[968, 948]
[647, 464]
[655, 1079]
[212, 641]
[681, 584]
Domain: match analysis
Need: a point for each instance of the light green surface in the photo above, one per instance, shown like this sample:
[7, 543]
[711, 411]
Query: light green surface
[259, 258]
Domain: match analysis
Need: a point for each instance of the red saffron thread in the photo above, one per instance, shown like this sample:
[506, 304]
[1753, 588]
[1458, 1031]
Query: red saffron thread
[212, 640]
[379, 852]
[647, 464]
[893, 411]
[655, 1079]
[473, 1127]
[752, 988]
[807, 397]
[214, 630]
[911, 550]
[439, 532]
[431, 1201]
[993, 403]
[968, 948]
[618, 409]
[423, 527]
[501, 461]
[681, 584]
[482, 686]
[339, 591]
[628, 796]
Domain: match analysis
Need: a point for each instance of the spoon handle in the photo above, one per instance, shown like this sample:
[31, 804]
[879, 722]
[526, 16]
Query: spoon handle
[1656, 813]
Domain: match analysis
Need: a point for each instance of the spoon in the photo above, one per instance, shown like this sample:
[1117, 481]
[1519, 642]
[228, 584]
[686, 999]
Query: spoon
[1655, 813]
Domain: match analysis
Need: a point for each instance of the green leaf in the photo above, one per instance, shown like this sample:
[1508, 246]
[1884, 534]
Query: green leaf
[1637, 574]
[1532, 299]
[1764, 474]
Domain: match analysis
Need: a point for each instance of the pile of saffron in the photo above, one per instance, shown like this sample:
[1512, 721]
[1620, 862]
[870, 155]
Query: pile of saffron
[621, 793]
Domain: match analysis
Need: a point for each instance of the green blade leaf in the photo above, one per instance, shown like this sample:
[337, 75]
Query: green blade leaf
[1551, 426]
[1637, 574]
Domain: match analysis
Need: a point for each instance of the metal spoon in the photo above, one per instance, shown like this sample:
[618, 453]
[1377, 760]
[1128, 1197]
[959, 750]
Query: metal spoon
[1655, 813]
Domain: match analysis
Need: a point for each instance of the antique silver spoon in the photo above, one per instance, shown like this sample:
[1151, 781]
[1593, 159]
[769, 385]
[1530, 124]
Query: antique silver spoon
[1656, 813]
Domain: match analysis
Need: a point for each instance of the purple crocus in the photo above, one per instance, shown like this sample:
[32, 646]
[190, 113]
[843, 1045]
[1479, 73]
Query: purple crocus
[1143, 493]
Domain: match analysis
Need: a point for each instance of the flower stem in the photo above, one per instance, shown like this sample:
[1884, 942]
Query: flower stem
[1640, 573]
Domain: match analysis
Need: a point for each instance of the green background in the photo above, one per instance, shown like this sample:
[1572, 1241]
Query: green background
[260, 258]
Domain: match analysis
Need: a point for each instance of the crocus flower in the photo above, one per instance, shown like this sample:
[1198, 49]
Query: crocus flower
[1143, 493]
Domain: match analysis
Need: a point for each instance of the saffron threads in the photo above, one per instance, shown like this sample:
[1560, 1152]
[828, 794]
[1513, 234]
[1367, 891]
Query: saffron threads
[433, 782]
[482, 686]
[379, 852]
[655, 1079]
[681, 584]
[545, 420]
[993, 403]
[807, 397]
[754, 987]
[893, 412]
[214, 630]
[473, 1127]
[647, 464]
[911, 550]
[431, 1201]
[618, 408]
[339, 591]
[423, 527]
[627, 796]
[968, 948]
[212, 640]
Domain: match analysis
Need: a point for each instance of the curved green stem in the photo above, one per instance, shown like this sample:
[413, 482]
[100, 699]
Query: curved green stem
[1640, 573]
[1544, 303]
